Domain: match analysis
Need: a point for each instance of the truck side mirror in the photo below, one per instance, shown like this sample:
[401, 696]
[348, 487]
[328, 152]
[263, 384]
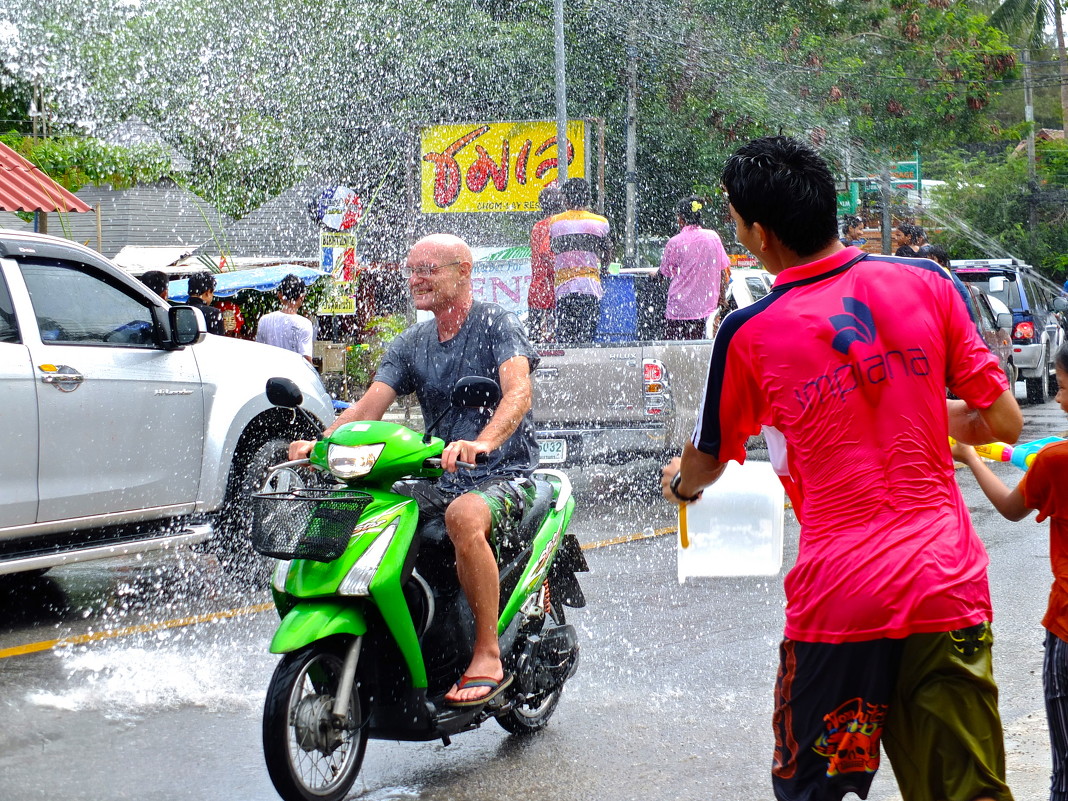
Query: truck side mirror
[1004, 320]
[997, 284]
[1060, 304]
[187, 325]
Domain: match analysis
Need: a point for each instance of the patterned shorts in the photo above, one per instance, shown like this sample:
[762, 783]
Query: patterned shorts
[930, 700]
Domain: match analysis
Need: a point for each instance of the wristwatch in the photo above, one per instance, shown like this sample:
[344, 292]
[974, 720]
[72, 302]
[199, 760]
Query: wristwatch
[674, 487]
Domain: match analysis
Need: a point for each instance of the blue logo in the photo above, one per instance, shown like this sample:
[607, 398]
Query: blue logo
[856, 325]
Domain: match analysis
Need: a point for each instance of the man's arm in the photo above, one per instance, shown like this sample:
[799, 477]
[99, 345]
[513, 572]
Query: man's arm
[698, 471]
[372, 406]
[517, 394]
[1002, 421]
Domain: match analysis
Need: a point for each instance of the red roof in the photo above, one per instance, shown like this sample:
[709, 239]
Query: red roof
[24, 187]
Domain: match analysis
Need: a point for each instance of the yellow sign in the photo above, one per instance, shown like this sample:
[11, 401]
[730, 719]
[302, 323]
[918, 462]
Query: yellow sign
[495, 166]
[339, 298]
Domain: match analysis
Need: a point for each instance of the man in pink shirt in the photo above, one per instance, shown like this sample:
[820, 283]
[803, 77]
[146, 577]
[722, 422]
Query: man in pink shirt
[888, 611]
[697, 266]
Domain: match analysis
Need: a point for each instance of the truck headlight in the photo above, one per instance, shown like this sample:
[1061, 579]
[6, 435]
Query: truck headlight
[352, 461]
[358, 580]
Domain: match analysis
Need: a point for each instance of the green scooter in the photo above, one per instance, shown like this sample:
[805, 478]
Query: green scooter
[375, 628]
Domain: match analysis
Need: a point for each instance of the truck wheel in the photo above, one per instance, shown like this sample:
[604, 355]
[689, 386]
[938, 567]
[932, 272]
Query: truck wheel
[233, 543]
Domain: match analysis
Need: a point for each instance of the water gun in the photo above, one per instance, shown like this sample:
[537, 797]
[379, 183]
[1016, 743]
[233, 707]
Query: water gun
[1020, 455]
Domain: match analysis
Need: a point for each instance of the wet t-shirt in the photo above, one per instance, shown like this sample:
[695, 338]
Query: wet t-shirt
[1045, 488]
[849, 358]
[417, 362]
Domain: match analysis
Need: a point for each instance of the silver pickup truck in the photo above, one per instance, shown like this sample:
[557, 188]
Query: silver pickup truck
[632, 395]
[124, 427]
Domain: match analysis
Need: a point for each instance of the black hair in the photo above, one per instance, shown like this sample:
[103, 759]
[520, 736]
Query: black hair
[156, 280]
[199, 283]
[850, 221]
[550, 200]
[1060, 358]
[935, 252]
[787, 187]
[912, 231]
[292, 288]
[576, 192]
[689, 208]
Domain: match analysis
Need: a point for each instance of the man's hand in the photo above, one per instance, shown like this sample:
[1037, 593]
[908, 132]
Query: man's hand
[666, 474]
[300, 449]
[463, 450]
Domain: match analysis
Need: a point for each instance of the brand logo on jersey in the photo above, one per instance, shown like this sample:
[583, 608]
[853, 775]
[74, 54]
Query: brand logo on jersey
[856, 325]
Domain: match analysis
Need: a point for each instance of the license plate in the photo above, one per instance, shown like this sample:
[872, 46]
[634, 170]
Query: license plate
[552, 451]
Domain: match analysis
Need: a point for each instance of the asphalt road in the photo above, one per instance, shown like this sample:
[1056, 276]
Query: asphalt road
[156, 689]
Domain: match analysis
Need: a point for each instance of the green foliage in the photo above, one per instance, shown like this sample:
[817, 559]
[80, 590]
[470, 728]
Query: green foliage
[74, 162]
[363, 357]
[989, 199]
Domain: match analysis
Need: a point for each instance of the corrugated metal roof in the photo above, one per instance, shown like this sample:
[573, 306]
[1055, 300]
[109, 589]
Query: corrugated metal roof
[24, 187]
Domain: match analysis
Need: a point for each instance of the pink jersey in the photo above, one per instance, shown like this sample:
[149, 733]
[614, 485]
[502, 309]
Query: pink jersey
[849, 358]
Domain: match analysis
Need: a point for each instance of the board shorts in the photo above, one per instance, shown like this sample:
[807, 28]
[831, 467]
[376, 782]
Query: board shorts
[929, 699]
[507, 499]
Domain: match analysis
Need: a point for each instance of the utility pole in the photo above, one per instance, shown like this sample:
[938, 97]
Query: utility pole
[884, 186]
[1032, 181]
[561, 92]
[630, 240]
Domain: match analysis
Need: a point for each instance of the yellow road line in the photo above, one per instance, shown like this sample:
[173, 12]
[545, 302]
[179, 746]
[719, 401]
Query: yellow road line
[638, 535]
[126, 631]
[192, 620]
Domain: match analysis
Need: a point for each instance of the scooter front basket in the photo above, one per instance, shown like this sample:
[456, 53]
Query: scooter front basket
[309, 523]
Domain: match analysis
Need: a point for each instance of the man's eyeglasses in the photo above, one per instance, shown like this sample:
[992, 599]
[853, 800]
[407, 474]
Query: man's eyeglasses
[424, 270]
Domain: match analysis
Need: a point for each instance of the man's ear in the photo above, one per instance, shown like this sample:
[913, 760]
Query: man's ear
[464, 268]
[764, 234]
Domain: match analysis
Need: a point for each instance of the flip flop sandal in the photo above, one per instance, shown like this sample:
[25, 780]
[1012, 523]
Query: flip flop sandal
[496, 688]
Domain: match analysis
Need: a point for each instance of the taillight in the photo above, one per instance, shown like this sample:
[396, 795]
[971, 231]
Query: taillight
[1024, 330]
[654, 386]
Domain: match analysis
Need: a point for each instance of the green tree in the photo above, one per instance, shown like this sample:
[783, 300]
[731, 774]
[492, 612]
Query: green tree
[1030, 19]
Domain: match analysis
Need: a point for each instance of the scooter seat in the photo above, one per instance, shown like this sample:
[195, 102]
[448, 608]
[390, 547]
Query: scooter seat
[523, 534]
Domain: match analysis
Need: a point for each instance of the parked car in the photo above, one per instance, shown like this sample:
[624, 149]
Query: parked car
[126, 427]
[1038, 328]
[994, 321]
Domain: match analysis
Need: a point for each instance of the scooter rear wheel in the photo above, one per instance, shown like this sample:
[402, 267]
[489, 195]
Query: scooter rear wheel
[309, 757]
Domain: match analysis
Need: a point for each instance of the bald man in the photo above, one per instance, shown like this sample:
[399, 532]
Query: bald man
[466, 337]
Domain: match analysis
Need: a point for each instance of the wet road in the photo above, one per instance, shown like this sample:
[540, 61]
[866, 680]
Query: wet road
[158, 690]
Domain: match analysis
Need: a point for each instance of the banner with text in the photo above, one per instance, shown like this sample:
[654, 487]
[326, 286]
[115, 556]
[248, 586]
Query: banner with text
[495, 166]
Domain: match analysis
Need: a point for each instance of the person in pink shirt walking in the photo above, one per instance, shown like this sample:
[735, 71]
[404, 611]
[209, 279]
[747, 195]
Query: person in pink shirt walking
[697, 266]
[887, 642]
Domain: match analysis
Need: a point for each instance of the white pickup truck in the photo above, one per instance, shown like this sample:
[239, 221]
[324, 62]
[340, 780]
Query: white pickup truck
[125, 427]
[632, 394]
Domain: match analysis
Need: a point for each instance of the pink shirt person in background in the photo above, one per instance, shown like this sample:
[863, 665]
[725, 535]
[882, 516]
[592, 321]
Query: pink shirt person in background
[698, 268]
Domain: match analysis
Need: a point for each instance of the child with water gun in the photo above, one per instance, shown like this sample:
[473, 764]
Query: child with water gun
[1044, 487]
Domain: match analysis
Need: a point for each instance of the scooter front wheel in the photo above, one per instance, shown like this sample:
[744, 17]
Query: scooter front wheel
[311, 755]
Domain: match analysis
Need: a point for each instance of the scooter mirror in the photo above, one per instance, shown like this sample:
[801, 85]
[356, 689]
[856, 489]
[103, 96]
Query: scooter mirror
[284, 392]
[473, 391]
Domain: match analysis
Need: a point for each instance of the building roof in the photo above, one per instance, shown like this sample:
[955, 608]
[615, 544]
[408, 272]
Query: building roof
[24, 187]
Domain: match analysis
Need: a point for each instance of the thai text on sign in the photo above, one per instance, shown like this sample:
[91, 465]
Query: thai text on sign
[498, 166]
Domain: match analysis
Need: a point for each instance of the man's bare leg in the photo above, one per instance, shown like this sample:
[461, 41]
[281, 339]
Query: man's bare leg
[467, 521]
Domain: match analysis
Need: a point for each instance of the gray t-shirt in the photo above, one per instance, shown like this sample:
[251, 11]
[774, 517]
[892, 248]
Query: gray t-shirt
[417, 362]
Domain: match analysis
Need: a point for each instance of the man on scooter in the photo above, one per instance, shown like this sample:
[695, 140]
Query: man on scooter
[466, 337]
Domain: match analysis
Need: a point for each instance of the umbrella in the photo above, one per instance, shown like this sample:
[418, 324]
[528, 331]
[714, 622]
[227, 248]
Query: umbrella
[263, 279]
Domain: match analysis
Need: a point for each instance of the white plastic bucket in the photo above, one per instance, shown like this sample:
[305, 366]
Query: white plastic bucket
[735, 529]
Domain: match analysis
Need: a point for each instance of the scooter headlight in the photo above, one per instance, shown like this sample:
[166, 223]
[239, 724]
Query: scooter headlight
[281, 573]
[352, 461]
[358, 580]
